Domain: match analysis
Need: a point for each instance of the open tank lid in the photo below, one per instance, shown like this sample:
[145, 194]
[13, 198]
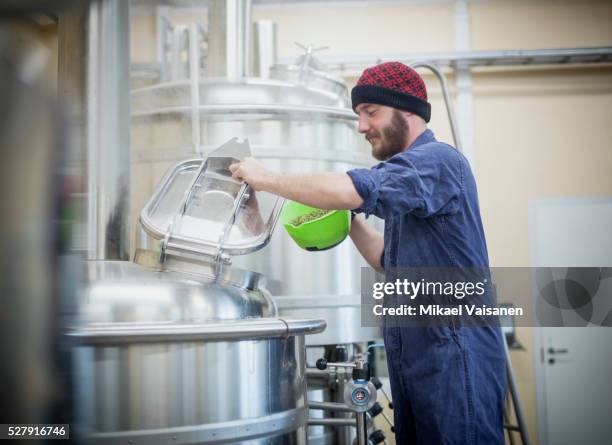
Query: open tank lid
[198, 209]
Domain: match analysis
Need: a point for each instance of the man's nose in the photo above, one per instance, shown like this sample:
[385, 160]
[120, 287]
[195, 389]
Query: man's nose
[364, 126]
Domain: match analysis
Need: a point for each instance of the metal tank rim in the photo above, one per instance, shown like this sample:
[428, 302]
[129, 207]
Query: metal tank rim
[263, 151]
[258, 81]
[239, 109]
[215, 80]
[110, 334]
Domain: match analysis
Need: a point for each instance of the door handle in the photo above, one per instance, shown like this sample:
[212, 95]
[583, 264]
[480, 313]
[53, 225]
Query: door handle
[557, 351]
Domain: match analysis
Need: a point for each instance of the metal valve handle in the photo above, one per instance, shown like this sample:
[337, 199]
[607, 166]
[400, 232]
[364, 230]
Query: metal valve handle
[322, 364]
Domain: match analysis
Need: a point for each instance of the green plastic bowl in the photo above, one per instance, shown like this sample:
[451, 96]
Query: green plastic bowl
[322, 233]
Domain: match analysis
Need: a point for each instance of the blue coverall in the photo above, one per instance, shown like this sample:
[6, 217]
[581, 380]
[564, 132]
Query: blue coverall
[448, 383]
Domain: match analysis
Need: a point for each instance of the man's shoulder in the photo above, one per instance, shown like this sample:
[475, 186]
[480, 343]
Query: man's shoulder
[434, 147]
[433, 152]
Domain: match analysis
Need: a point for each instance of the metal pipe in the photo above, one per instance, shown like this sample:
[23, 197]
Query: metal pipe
[362, 429]
[264, 48]
[330, 406]
[387, 419]
[447, 100]
[117, 334]
[246, 26]
[332, 422]
[217, 38]
[315, 378]
[238, 38]
[522, 428]
[300, 110]
[194, 80]
[91, 40]
[507, 424]
[108, 120]
[351, 65]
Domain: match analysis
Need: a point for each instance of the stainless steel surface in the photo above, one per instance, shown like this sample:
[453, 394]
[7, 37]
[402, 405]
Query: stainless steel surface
[112, 334]
[275, 429]
[342, 314]
[249, 92]
[230, 276]
[328, 386]
[194, 81]
[329, 406]
[309, 77]
[229, 43]
[319, 434]
[238, 38]
[318, 379]
[122, 293]
[297, 121]
[291, 128]
[92, 39]
[332, 422]
[206, 387]
[447, 100]
[217, 38]
[362, 429]
[311, 111]
[264, 47]
[162, 357]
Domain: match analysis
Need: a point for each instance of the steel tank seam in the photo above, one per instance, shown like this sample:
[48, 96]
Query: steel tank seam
[214, 433]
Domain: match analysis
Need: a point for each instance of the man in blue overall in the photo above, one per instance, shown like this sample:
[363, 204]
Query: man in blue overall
[448, 383]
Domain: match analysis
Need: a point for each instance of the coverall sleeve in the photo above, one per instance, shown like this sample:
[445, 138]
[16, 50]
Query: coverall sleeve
[425, 181]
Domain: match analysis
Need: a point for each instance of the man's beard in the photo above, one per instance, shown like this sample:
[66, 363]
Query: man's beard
[392, 138]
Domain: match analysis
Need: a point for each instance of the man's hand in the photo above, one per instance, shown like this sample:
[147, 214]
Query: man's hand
[253, 173]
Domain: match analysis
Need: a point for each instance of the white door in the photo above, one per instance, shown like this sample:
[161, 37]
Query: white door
[573, 365]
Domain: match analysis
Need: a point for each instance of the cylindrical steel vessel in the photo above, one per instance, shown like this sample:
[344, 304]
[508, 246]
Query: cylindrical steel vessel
[168, 357]
[291, 128]
[297, 121]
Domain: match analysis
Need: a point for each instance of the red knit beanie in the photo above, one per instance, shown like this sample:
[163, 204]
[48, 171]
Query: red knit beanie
[395, 85]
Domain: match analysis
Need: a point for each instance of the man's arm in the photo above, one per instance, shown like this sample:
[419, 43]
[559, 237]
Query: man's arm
[333, 191]
[368, 241]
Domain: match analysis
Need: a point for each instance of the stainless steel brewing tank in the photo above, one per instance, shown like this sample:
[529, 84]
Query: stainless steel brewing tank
[169, 357]
[297, 122]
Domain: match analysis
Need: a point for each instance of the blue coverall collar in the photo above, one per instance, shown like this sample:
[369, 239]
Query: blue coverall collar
[423, 138]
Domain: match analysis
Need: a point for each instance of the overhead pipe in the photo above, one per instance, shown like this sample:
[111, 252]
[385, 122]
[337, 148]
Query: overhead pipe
[229, 43]
[447, 100]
